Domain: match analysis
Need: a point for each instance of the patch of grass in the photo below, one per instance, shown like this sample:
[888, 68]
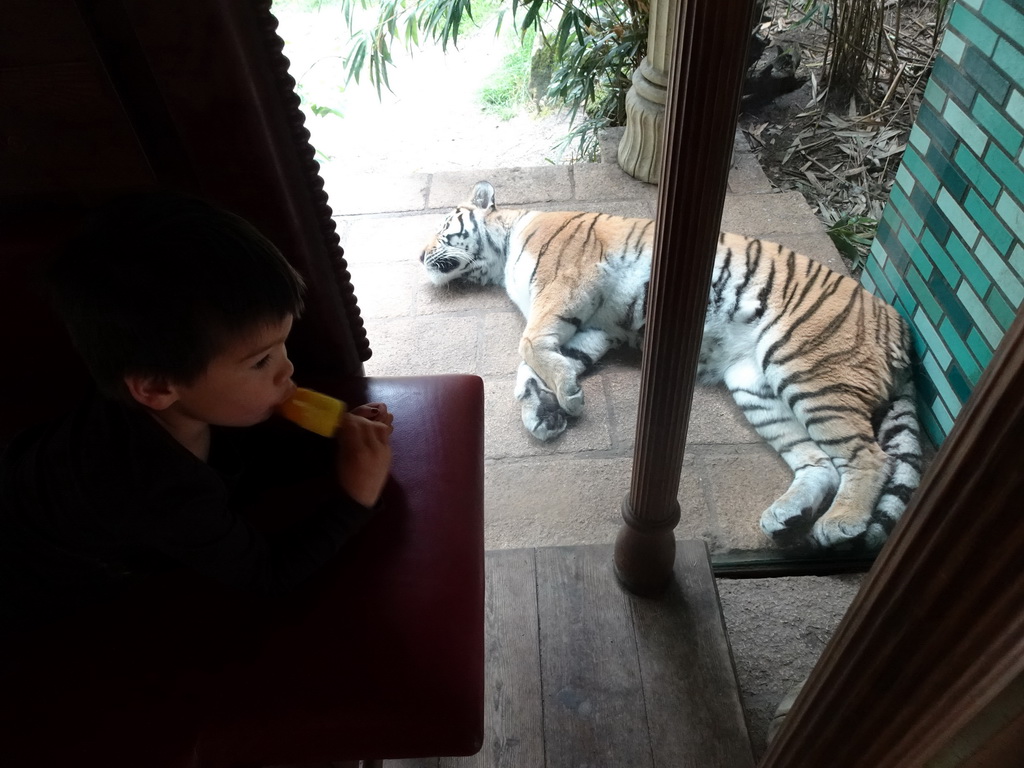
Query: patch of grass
[507, 90]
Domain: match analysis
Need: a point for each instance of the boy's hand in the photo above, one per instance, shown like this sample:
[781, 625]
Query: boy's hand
[364, 455]
[374, 412]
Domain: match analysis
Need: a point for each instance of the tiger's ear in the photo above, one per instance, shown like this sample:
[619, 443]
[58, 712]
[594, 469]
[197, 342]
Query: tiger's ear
[483, 195]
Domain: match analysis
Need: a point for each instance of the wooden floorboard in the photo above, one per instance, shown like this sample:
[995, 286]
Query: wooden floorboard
[513, 725]
[581, 674]
[693, 703]
[593, 700]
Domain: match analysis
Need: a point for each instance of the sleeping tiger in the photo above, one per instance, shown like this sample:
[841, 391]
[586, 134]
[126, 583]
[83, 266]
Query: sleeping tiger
[819, 366]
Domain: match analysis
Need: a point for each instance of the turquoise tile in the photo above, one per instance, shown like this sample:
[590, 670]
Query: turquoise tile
[920, 258]
[1004, 16]
[992, 81]
[943, 417]
[1015, 107]
[904, 182]
[883, 287]
[1009, 171]
[975, 4]
[981, 349]
[933, 342]
[952, 306]
[937, 223]
[983, 319]
[1009, 59]
[997, 126]
[919, 140]
[1016, 260]
[952, 78]
[868, 284]
[923, 202]
[972, 28]
[902, 310]
[951, 177]
[936, 433]
[1010, 212]
[987, 221]
[923, 294]
[922, 173]
[903, 293]
[979, 175]
[973, 270]
[1000, 309]
[933, 93]
[943, 136]
[957, 217]
[959, 382]
[937, 374]
[964, 127]
[963, 355]
[940, 258]
[1002, 275]
[952, 47]
[912, 221]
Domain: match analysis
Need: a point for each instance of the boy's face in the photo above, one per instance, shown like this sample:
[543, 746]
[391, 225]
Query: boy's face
[245, 383]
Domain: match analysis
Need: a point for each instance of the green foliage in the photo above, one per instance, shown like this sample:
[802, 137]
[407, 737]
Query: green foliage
[852, 236]
[508, 89]
[595, 71]
[596, 45]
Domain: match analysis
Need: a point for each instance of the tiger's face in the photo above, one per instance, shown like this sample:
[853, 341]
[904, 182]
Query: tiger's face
[453, 252]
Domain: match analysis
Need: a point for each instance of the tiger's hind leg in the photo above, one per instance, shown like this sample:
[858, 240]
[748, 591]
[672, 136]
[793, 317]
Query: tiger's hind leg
[846, 435]
[815, 478]
[542, 416]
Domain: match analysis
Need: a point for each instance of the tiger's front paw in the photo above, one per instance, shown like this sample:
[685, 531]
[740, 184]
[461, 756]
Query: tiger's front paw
[572, 401]
[544, 418]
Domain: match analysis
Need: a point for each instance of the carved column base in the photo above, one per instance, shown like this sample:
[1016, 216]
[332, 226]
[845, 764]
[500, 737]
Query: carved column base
[645, 554]
[640, 148]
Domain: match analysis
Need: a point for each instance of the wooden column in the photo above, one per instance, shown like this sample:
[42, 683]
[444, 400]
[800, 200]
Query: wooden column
[704, 94]
[936, 633]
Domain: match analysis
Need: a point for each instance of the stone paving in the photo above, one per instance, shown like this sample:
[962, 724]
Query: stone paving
[568, 491]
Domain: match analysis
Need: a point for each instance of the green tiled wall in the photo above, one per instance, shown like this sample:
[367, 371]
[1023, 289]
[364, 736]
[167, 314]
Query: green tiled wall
[948, 252]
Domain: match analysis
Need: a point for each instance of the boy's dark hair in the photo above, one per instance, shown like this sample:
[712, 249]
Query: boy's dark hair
[157, 283]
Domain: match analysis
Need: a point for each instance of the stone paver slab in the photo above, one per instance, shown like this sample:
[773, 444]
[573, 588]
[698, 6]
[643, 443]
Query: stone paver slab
[757, 214]
[412, 346]
[374, 194]
[565, 500]
[513, 187]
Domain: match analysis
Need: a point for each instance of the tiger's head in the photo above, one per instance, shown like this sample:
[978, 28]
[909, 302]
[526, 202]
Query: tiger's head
[468, 246]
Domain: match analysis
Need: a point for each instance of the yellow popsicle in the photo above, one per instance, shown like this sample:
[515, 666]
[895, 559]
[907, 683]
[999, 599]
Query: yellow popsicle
[313, 411]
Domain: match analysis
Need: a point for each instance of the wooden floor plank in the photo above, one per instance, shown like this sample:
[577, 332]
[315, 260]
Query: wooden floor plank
[593, 703]
[513, 729]
[693, 704]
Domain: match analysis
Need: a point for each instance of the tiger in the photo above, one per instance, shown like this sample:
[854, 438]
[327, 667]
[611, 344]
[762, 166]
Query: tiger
[820, 367]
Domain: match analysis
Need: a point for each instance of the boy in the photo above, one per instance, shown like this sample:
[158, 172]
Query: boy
[181, 312]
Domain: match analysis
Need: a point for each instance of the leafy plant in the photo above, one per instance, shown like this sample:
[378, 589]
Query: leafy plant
[595, 44]
[594, 72]
[852, 236]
